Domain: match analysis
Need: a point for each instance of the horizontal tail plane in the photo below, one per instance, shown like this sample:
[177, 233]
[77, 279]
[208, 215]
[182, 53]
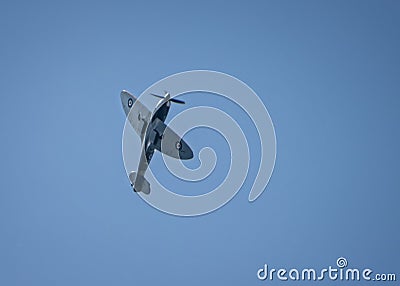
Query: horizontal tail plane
[140, 183]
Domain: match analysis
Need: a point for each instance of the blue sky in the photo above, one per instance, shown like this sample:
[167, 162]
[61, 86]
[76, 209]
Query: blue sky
[328, 72]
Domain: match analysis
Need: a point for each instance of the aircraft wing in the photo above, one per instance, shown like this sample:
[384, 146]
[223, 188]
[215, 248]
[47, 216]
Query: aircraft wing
[138, 114]
[170, 143]
[139, 118]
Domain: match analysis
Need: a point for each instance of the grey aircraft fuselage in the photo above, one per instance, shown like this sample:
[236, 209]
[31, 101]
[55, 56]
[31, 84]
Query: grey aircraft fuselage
[154, 134]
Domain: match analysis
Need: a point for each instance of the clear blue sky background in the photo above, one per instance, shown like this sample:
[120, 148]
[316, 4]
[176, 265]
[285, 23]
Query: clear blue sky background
[328, 72]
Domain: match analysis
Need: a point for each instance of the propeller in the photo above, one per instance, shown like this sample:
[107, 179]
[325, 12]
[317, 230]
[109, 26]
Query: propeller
[171, 99]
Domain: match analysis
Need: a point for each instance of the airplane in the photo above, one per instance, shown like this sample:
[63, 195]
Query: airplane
[154, 135]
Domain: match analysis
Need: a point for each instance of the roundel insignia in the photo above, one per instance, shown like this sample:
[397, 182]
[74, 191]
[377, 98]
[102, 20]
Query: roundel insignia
[130, 102]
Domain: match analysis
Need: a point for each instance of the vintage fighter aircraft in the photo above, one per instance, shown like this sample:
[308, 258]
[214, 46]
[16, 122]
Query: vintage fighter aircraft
[154, 135]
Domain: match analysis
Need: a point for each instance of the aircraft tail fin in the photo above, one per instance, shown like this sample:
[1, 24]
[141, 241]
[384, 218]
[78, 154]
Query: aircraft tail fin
[139, 183]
